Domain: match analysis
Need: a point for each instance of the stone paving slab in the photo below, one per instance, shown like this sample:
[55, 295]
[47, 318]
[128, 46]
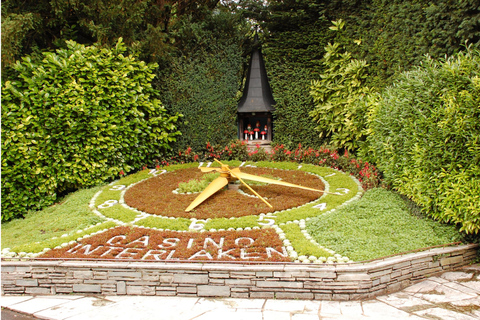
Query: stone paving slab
[33, 306]
[451, 296]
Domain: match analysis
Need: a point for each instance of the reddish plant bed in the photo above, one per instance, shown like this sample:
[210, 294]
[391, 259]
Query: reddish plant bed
[155, 195]
[127, 243]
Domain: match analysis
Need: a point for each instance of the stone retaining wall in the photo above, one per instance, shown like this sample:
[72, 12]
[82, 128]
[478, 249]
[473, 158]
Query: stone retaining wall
[281, 281]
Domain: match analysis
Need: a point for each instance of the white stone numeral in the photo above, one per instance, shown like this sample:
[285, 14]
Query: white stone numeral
[344, 190]
[156, 172]
[118, 187]
[269, 220]
[321, 206]
[108, 204]
[197, 226]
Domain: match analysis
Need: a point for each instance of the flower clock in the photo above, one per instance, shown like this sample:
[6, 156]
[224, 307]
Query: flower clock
[255, 212]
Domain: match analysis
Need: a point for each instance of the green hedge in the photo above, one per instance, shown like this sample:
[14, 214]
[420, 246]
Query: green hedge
[203, 78]
[398, 33]
[77, 118]
[425, 137]
[293, 60]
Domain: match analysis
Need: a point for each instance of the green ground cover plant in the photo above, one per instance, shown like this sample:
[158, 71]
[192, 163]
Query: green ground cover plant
[302, 245]
[70, 214]
[165, 223]
[379, 224]
[224, 223]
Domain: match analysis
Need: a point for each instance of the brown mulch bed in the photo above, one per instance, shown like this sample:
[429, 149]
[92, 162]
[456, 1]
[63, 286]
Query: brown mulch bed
[127, 243]
[155, 195]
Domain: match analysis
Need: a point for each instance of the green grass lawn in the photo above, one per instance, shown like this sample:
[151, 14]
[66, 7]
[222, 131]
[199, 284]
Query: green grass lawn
[379, 224]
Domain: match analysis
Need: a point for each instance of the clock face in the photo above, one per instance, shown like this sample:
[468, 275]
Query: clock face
[157, 195]
[232, 225]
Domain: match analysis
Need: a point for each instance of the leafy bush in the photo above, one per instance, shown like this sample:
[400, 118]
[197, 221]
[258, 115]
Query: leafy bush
[424, 136]
[80, 116]
[341, 96]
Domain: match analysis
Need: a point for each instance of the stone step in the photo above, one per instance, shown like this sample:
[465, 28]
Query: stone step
[264, 144]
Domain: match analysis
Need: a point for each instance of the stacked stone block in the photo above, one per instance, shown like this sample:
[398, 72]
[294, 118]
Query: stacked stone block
[281, 281]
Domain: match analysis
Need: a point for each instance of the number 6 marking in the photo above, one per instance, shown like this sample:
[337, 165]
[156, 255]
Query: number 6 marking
[107, 204]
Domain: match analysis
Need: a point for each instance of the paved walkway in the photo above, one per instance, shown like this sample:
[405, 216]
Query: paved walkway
[450, 296]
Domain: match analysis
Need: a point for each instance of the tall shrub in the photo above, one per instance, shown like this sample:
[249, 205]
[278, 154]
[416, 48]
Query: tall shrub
[76, 118]
[341, 96]
[425, 137]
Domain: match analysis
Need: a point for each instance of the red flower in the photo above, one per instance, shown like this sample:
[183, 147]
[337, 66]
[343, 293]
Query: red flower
[122, 173]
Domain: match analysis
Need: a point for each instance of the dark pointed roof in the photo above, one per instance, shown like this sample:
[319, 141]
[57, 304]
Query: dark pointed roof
[257, 95]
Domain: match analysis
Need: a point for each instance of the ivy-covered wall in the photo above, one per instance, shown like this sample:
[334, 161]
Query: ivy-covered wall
[293, 61]
[203, 80]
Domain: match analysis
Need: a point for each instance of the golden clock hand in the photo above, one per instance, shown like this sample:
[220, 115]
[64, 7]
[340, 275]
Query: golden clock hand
[252, 177]
[213, 187]
[233, 174]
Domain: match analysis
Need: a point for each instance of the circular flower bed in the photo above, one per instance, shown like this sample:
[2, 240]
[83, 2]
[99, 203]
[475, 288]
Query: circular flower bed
[155, 195]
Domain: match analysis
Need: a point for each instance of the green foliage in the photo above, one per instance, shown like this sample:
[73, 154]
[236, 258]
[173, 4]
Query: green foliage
[424, 136]
[119, 212]
[77, 118]
[202, 80]
[15, 28]
[341, 96]
[378, 225]
[290, 80]
[396, 34]
[144, 24]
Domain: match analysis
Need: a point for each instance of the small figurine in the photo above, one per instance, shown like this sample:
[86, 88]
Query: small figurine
[251, 135]
[257, 130]
[246, 134]
[263, 133]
